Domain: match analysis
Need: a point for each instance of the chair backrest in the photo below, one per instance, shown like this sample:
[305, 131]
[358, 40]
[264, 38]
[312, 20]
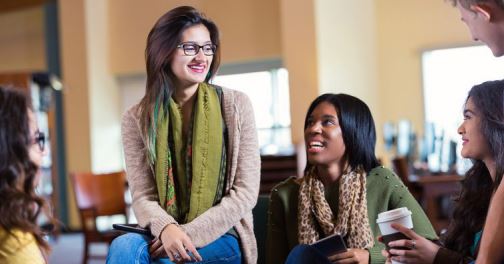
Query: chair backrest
[400, 165]
[103, 193]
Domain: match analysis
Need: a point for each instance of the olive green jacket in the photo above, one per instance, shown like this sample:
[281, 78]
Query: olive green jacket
[385, 191]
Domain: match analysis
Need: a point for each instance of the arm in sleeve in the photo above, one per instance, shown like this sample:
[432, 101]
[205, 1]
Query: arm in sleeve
[401, 197]
[140, 179]
[243, 194]
[277, 248]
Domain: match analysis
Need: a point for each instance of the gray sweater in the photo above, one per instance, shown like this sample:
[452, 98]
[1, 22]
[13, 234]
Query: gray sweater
[242, 186]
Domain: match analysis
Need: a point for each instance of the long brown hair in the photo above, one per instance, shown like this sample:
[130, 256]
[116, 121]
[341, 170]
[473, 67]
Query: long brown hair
[20, 205]
[477, 187]
[162, 43]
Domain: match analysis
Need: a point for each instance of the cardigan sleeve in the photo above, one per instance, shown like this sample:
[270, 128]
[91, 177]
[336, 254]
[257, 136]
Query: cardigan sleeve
[140, 179]
[277, 248]
[242, 196]
[401, 197]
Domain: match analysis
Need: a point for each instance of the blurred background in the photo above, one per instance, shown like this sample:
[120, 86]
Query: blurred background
[412, 62]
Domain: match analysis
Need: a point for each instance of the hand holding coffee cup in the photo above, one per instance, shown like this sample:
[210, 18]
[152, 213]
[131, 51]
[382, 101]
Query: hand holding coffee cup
[403, 244]
[386, 219]
[418, 248]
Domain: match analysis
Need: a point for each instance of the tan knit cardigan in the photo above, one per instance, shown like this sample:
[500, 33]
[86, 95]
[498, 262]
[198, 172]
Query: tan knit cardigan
[242, 186]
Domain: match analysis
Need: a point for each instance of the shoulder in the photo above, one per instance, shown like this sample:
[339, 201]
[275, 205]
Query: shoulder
[382, 176]
[286, 189]
[19, 247]
[235, 97]
[237, 107]
[16, 237]
[132, 114]
[130, 125]
[230, 92]
[382, 172]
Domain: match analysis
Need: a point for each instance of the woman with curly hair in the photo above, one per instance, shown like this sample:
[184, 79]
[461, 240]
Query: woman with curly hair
[21, 153]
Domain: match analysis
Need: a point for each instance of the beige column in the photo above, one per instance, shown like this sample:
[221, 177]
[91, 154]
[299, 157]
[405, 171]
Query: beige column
[347, 53]
[329, 46]
[104, 94]
[91, 104]
[299, 52]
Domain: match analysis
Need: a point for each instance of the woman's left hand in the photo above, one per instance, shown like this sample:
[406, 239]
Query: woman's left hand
[420, 249]
[156, 249]
[352, 255]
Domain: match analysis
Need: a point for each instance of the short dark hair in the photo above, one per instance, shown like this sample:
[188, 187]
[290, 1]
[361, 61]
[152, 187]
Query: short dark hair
[357, 127]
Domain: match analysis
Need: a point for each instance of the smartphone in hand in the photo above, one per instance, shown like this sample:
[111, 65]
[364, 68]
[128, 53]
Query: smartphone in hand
[133, 228]
[330, 245]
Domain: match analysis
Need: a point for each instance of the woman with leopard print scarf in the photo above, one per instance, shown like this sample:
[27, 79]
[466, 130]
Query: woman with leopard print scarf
[342, 192]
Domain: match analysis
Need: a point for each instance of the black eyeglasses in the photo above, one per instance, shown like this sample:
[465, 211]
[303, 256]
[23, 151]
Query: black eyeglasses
[40, 140]
[191, 49]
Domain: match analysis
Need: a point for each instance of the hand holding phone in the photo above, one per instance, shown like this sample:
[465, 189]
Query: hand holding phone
[330, 245]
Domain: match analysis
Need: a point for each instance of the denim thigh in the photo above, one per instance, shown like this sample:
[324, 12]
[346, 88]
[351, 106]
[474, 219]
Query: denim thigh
[134, 248]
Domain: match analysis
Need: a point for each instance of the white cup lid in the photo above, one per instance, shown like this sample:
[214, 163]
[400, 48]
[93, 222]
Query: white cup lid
[393, 214]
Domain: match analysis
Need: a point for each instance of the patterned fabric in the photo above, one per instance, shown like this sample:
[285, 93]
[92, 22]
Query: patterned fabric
[352, 220]
[242, 178]
[190, 171]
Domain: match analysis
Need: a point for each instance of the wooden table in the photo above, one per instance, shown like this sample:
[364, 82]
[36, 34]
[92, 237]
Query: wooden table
[432, 188]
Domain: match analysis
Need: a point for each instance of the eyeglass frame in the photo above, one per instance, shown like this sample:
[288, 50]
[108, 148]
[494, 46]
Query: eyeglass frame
[40, 140]
[200, 47]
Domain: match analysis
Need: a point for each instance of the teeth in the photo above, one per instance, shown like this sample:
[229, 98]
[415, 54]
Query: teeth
[197, 67]
[316, 144]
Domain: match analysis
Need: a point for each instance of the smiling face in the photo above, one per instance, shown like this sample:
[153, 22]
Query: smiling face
[323, 136]
[191, 70]
[474, 144]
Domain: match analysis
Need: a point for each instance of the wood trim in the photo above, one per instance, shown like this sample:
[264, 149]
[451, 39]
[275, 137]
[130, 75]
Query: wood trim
[17, 80]
[9, 6]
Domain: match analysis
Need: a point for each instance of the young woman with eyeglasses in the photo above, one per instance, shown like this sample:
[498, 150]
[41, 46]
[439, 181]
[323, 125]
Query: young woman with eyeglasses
[21, 153]
[191, 153]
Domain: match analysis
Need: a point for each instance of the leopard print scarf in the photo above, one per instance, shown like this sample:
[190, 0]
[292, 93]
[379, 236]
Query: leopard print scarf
[352, 220]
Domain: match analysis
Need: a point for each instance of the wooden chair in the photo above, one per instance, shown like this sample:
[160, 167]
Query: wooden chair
[401, 168]
[98, 195]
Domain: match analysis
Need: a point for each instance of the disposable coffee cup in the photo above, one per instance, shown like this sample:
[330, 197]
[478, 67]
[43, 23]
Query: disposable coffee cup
[398, 216]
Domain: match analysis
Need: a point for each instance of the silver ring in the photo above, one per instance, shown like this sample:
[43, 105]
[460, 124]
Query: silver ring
[413, 244]
[176, 256]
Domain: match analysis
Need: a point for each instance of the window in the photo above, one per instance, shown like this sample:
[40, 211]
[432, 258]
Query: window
[266, 85]
[448, 75]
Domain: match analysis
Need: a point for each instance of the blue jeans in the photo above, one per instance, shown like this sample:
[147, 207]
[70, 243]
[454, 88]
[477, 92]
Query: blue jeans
[134, 248]
[303, 254]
